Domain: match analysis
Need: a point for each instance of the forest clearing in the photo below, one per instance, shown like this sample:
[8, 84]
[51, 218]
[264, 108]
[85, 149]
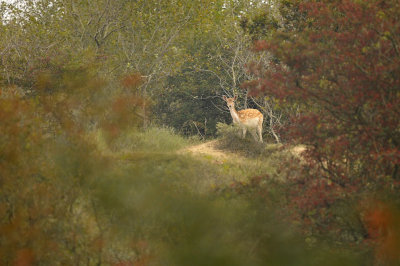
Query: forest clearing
[200, 132]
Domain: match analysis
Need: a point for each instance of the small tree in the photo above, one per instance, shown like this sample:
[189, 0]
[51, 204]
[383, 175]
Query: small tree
[341, 64]
[339, 61]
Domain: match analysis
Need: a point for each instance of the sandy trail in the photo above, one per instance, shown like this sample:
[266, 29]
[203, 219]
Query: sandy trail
[231, 167]
[209, 148]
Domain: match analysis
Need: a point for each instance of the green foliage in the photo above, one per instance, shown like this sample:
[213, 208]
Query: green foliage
[82, 182]
[261, 24]
[48, 166]
[185, 105]
[74, 202]
[233, 226]
[151, 139]
[271, 195]
[40, 182]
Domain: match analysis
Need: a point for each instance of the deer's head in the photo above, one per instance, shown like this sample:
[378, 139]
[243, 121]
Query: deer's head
[230, 101]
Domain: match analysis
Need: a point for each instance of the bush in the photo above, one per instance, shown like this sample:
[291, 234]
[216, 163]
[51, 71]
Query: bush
[338, 62]
[269, 195]
[151, 139]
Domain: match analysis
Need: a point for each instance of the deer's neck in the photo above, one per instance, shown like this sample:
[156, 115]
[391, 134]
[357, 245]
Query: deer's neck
[235, 115]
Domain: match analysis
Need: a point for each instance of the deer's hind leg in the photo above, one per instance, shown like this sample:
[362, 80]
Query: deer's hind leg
[254, 134]
[259, 129]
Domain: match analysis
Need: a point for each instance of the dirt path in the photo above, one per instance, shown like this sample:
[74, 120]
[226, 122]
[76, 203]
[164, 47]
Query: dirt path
[229, 167]
[209, 149]
[225, 167]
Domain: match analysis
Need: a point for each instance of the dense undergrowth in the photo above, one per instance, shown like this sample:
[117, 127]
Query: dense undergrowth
[358, 221]
[83, 183]
[86, 179]
[130, 196]
[134, 200]
[247, 220]
[138, 207]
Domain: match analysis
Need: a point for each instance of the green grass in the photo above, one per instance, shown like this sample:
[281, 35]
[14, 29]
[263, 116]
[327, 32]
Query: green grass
[183, 206]
[150, 140]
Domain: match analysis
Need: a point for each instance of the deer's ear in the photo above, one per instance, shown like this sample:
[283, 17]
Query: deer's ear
[234, 98]
[224, 97]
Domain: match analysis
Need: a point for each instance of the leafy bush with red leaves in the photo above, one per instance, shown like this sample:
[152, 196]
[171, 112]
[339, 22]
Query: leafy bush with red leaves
[360, 226]
[341, 63]
[47, 164]
[343, 67]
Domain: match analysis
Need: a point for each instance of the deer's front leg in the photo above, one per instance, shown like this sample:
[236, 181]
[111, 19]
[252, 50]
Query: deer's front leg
[244, 132]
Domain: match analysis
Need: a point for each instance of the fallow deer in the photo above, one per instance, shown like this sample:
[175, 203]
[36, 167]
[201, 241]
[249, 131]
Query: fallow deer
[247, 119]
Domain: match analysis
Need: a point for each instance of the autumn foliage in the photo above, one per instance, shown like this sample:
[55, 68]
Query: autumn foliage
[342, 66]
[340, 63]
[382, 222]
[47, 163]
[86, 177]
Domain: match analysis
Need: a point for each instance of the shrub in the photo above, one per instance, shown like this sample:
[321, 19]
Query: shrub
[153, 139]
[339, 62]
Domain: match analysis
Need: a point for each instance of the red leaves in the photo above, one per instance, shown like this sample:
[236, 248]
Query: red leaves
[25, 257]
[316, 194]
[124, 112]
[262, 45]
[383, 226]
[378, 220]
[131, 80]
[343, 68]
